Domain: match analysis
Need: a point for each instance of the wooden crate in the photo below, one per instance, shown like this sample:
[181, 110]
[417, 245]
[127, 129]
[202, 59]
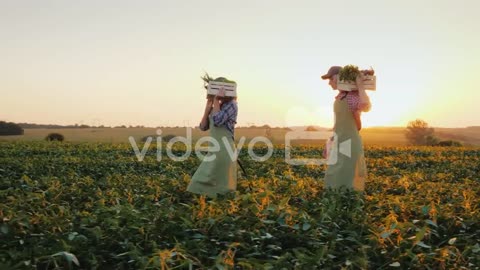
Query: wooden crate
[214, 87]
[370, 83]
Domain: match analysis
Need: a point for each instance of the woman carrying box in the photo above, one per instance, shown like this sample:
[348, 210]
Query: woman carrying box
[217, 174]
[347, 171]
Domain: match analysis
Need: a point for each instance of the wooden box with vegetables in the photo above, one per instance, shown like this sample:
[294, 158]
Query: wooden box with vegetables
[346, 81]
[213, 86]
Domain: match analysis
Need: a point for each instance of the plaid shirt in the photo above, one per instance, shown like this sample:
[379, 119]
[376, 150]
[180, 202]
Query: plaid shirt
[353, 99]
[227, 117]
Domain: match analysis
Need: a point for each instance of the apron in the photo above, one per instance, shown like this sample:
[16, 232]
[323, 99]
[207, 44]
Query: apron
[349, 172]
[218, 176]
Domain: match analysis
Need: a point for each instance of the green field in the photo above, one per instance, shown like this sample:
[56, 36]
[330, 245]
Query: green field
[381, 136]
[95, 206]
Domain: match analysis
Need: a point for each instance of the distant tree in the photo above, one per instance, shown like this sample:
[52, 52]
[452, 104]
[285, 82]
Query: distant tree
[311, 128]
[9, 128]
[419, 133]
[55, 137]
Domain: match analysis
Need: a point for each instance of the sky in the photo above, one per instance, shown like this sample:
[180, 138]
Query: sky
[139, 62]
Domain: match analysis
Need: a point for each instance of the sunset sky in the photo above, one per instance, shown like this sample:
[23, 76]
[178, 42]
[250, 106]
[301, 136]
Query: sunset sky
[140, 62]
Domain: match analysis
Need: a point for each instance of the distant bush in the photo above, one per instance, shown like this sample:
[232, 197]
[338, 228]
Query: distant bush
[55, 137]
[165, 138]
[168, 137]
[144, 139]
[450, 143]
[8, 128]
[431, 140]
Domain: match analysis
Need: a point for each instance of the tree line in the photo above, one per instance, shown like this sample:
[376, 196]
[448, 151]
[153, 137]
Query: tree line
[9, 128]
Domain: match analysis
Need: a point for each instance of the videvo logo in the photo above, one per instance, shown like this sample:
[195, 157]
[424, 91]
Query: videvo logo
[333, 147]
[207, 153]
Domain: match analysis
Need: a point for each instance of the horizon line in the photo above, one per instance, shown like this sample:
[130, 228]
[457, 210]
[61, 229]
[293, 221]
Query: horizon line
[183, 126]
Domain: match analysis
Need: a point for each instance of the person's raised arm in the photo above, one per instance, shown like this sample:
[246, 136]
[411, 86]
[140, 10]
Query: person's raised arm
[219, 114]
[364, 103]
[216, 101]
[358, 121]
[208, 107]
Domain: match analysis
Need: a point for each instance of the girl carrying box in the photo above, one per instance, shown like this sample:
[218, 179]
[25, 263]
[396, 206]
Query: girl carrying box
[217, 174]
